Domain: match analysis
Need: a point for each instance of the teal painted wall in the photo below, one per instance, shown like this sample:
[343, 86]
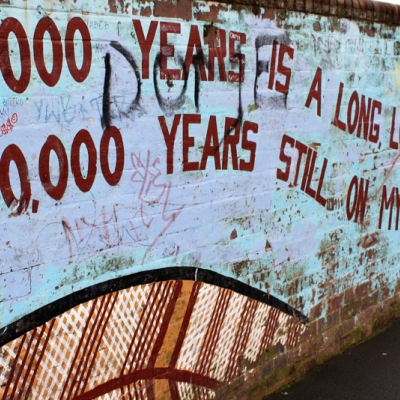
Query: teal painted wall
[325, 88]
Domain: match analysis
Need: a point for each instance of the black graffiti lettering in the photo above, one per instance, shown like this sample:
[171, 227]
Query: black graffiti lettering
[106, 119]
[268, 66]
[129, 57]
[198, 60]
[168, 105]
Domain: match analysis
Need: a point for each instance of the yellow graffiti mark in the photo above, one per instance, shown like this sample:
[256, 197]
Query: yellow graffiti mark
[396, 76]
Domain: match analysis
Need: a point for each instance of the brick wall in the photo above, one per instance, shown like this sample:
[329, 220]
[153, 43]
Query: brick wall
[196, 198]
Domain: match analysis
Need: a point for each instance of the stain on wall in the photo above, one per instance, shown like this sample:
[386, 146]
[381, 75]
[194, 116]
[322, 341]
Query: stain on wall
[252, 150]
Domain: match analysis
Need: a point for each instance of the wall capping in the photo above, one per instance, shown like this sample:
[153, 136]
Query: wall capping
[363, 10]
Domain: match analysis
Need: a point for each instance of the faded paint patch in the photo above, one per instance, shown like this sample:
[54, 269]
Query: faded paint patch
[212, 13]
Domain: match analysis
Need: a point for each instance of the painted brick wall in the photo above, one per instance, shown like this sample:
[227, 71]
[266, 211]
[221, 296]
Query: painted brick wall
[198, 199]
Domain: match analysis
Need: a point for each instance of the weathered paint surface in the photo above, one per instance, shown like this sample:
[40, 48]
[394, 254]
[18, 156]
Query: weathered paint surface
[117, 349]
[262, 148]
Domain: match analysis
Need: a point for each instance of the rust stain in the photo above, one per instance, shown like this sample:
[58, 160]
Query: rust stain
[315, 145]
[240, 267]
[234, 234]
[244, 222]
[369, 240]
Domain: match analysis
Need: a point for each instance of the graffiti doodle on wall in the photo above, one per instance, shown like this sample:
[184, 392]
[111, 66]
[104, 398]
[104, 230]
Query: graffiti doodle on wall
[126, 225]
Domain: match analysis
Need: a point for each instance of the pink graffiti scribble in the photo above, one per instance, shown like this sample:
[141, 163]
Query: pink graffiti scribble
[9, 125]
[126, 225]
[151, 194]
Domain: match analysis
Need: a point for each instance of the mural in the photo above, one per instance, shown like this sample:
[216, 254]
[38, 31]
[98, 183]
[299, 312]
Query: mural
[182, 186]
[176, 339]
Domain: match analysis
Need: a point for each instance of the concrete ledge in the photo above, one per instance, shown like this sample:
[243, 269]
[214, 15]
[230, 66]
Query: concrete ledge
[364, 10]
